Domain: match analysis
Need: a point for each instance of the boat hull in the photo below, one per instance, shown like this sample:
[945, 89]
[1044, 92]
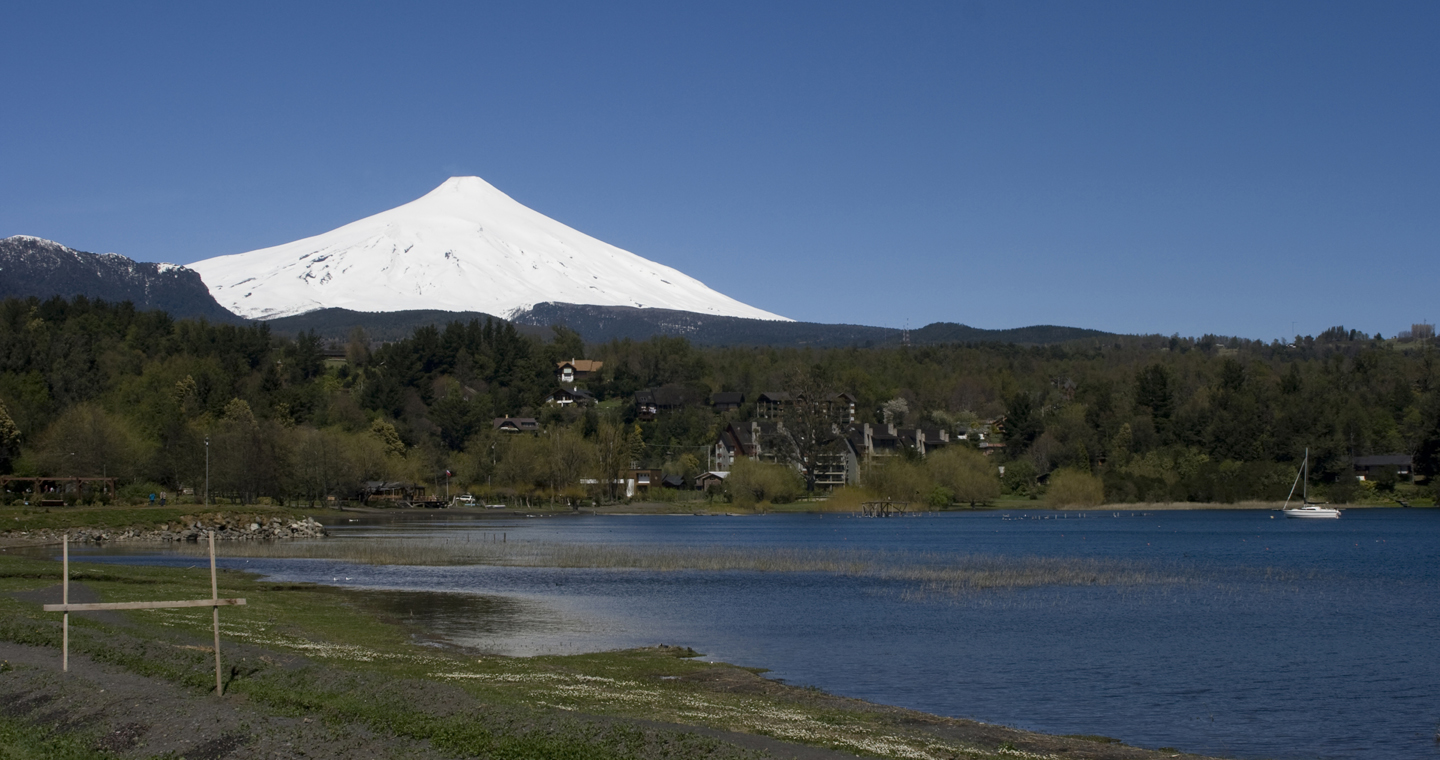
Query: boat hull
[1313, 513]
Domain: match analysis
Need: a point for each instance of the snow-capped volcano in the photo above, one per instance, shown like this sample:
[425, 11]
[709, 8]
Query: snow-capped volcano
[464, 246]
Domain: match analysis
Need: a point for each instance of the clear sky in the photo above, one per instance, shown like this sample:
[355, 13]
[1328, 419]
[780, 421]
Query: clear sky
[1232, 168]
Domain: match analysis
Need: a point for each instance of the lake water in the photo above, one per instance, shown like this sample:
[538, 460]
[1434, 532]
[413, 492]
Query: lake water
[1287, 638]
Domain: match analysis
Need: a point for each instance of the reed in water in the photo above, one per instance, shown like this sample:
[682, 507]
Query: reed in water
[937, 573]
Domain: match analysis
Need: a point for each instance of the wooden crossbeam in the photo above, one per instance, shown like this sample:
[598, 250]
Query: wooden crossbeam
[214, 603]
[96, 606]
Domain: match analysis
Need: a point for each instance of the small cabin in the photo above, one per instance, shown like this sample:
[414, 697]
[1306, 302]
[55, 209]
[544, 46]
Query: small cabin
[568, 396]
[509, 424]
[577, 369]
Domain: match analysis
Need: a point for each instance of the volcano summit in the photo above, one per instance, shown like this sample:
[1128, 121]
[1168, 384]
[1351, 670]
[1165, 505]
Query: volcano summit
[464, 246]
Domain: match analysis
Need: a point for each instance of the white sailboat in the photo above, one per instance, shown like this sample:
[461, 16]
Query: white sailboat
[1306, 509]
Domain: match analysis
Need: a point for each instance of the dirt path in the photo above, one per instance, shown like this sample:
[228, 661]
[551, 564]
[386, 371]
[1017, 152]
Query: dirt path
[135, 716]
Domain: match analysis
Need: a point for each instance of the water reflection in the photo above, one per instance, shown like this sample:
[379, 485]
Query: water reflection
[476, 621]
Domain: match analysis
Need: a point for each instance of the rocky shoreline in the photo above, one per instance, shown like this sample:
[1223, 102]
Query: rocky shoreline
[226, 528]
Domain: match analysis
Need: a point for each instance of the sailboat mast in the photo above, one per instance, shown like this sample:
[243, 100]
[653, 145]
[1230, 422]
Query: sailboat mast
[1305, 491]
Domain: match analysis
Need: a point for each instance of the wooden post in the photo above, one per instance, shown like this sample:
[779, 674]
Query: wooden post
[214, 603]
[65, 600]
[215, 613]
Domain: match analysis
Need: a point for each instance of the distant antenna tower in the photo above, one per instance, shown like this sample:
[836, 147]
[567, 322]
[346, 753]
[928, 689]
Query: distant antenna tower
[905, 334]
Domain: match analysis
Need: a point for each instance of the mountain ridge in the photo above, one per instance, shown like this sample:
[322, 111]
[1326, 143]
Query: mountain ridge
[31, 266]
[35, 267]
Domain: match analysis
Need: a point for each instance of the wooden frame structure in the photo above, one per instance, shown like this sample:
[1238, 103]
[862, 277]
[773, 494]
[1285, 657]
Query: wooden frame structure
[884, 508]
[214, 602]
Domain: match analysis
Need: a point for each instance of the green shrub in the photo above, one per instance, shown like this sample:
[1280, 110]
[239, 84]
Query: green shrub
[1344, 491]
[751, 482]
[1019, 478]
[965, 473]
[139, 493]
[900, 480]
[1074, 488]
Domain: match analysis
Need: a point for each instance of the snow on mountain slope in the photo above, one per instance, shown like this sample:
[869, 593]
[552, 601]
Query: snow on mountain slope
[464, 246]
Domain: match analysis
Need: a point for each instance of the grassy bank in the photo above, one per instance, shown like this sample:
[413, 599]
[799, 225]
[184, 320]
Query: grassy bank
[325, 654]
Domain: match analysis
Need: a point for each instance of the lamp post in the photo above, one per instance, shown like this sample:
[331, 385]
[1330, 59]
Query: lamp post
[207, 470]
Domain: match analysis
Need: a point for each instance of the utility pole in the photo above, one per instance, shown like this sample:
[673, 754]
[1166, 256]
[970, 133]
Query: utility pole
[207, 470]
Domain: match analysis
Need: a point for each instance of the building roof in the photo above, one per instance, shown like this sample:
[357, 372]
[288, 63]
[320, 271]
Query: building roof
[881, 433]
[667, 396]
[1383, 460]
[582, 365]
[516, 423]
[389, 485]
[727, 397]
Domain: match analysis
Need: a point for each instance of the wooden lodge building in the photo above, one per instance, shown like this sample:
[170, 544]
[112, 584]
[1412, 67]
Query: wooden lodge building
[576, 370]
[848, 448]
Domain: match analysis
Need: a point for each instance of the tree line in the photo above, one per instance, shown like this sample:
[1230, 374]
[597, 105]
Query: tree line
[94, 388]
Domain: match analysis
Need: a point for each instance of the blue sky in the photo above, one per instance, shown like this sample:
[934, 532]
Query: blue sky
[1230, 168]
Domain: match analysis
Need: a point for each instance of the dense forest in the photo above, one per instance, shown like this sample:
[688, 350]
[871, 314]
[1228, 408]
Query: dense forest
[89, 388]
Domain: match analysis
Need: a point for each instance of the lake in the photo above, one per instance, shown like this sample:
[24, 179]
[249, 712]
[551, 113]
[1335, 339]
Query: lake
[1245, 635]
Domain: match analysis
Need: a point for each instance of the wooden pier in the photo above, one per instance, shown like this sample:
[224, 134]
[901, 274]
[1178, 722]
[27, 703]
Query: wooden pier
[886, 508]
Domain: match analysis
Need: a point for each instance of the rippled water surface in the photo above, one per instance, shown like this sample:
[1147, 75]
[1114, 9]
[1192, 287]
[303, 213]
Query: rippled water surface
[1283, 638]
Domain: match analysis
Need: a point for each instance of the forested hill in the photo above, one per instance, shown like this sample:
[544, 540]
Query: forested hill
[599, 324]
[30, 266]
[384, 326]
[1035, 335]
[89, 387]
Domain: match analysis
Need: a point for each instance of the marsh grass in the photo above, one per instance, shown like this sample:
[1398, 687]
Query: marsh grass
[930, 573]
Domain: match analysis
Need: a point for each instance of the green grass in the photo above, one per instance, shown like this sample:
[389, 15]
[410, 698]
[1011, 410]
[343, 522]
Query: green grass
[24, 741]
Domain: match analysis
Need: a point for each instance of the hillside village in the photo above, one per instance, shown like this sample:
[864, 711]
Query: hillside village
[756, 429]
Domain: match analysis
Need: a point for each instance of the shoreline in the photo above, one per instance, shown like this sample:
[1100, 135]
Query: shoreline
[125, 524]
[681, 509]
[308, 647]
